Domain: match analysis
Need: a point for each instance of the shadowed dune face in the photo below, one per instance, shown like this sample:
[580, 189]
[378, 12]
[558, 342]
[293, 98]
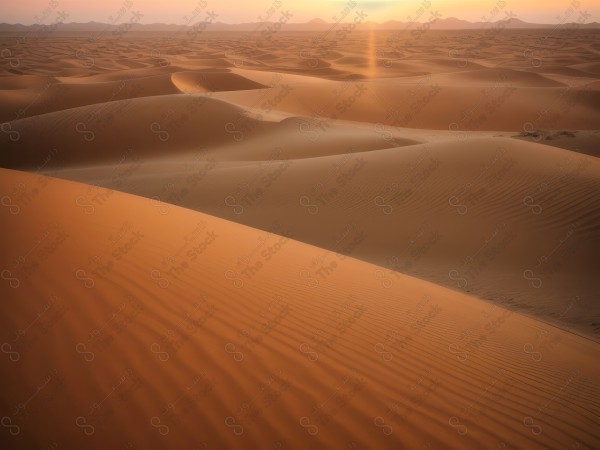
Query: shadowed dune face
[388, 242]
[192, 82]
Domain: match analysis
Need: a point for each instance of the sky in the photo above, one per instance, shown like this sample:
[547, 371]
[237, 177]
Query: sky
[236, 11]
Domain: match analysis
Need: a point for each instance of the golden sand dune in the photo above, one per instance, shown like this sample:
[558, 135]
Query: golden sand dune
[389, 241]
[153, 326]
[172, 127]
[464, 209]
[443, 102]
[507, 221]
[39, 95]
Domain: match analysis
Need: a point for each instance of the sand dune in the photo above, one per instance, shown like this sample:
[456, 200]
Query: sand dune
[254, 146]
[39, 95]
[438, 102]
[430, 210]
[580, 141]
[507, 76]
[191, 82]
[589, 67]
[369, 77]
[194, 330]
[63, 95]
[24, 82]
[388, 241]
[148, 126]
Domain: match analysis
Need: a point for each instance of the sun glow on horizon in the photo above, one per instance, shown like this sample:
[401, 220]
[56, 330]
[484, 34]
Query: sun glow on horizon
[231, 11]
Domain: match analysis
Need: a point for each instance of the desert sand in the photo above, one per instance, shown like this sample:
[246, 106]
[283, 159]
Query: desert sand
[220, 243]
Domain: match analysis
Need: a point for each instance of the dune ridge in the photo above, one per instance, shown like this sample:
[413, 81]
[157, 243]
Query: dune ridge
[359, 193]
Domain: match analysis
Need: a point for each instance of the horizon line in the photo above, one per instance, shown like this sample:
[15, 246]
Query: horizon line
[314, 21]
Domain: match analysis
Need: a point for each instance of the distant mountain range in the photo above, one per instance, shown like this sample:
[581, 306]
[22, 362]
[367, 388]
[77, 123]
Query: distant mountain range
[450, 23]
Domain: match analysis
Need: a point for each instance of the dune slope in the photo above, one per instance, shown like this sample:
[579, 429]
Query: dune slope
[511, 222]
[151, 326]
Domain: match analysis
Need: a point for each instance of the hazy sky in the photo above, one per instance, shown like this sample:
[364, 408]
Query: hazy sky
[235, 11]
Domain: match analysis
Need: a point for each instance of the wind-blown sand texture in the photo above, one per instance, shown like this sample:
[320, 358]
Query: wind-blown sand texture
[349, 246]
